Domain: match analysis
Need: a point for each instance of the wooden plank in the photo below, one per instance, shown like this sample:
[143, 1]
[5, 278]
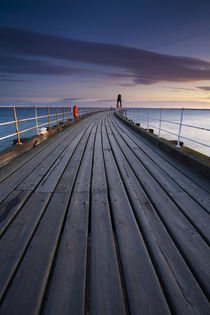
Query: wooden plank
[143, 288]
[191, 209]
[10, 208]
[15, 200]
[182, 290]
[66, 293]
[51, 179]
[186, 237]
[29, 284]
[69, 175]
[196, 178]
[18, 176]
[26, 292]
[150, 251]
[51, 164]
[201, 196]
[106, 296]
[15, 240]
[10, 168]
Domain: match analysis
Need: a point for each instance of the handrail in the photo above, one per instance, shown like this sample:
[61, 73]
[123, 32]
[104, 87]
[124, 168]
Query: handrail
[62, 115]
[177, 123]
[147, 118]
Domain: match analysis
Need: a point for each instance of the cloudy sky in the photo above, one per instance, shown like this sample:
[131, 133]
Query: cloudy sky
[154, 53]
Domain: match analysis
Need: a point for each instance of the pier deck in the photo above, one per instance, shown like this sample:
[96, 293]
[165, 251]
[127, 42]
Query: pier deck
[97, 220]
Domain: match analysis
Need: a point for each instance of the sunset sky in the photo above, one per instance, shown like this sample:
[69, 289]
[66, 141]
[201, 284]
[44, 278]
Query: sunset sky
[154, 53]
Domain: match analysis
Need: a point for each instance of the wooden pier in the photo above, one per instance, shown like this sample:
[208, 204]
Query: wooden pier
[97, 220]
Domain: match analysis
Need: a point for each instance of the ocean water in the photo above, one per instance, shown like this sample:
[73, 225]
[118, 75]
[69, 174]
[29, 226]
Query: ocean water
[199, 118]
[6, 115]
[195, 117]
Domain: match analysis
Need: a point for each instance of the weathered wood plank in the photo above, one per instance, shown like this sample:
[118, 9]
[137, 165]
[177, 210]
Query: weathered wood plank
[10, 208]
[11, 205]
[143, 288]
[51, 165]
[49, 230]
[198, 179]
[16, 239]
[180, 180]
[10, 168]
[66, 293]
[192, 246]
[26, 291]
[106, 296]
[191, 209]
[182, 290]
[51, 179]
[30, 166]
[104, 234]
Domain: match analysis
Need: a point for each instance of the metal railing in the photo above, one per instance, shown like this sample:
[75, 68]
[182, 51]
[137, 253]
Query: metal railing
[54, 116]
[143, 116]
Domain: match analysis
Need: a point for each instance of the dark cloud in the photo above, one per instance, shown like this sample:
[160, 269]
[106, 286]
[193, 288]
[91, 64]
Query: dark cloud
[144, 67]
[14, 80]
[204, 88]
[17, 65]
[10, 78]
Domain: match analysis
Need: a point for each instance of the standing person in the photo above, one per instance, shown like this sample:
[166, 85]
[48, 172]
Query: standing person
[119, 101]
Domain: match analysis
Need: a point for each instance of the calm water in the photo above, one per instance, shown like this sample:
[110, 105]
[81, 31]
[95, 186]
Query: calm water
[6, 115]
[198, 118]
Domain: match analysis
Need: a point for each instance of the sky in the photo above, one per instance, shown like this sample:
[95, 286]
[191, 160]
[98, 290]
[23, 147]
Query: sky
[67, 52]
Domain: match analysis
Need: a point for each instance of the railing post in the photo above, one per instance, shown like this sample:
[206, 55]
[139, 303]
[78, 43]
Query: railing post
[57, 116]
[180, 128]
[36, 119]
[16, 125]
[63, 116]
[161, 112]
[148, 119]
[48, 110]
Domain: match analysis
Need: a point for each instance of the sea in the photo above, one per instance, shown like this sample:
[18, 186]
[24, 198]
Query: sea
[198, 119]
[195, 125]
[6, 115]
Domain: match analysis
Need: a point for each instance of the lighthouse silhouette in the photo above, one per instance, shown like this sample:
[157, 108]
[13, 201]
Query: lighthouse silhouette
[119, 101]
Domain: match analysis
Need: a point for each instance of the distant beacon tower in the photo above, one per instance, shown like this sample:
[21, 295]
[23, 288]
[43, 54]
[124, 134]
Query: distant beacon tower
[119, 101]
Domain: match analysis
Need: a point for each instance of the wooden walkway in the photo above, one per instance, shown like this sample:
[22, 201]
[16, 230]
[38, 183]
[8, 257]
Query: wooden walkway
[97, 221]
